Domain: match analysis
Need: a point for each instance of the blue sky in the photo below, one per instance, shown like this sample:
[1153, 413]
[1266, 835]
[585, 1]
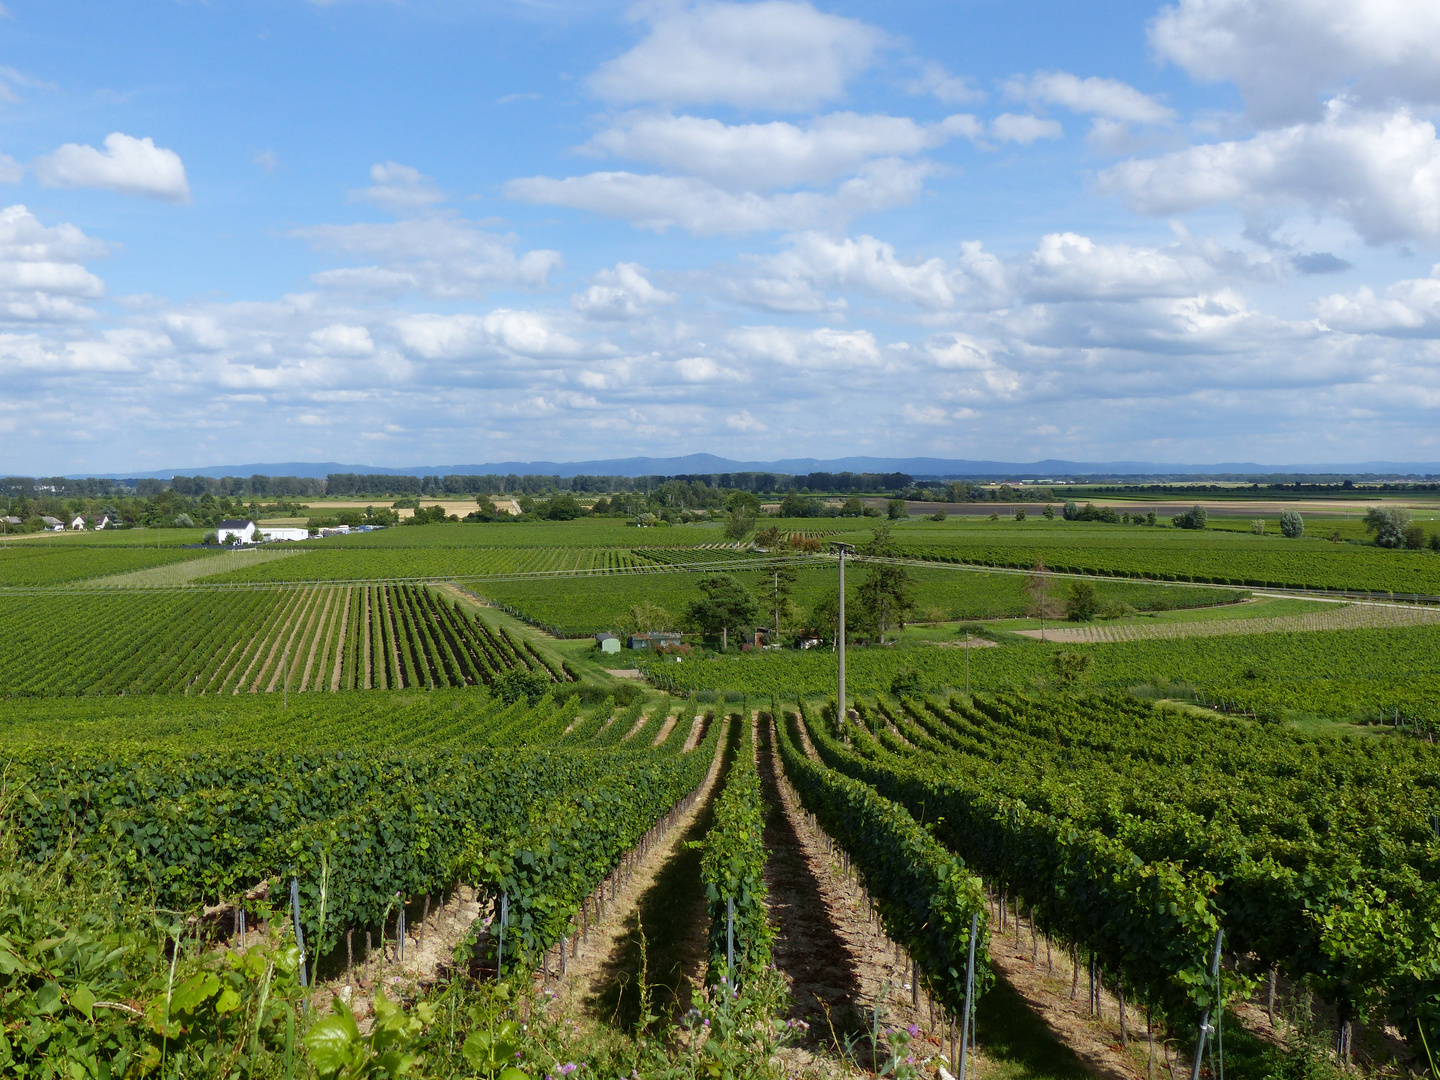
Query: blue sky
[440, 232]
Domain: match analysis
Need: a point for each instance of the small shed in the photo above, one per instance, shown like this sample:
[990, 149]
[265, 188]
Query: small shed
[608, 643]
[656, 640]
[285, 533]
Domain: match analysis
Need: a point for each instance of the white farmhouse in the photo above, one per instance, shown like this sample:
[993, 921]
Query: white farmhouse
[53, 524]
[242, 530]
[281, 533]
[78, 524]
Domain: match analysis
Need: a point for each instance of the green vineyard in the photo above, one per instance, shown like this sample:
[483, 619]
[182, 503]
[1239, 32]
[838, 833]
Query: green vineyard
[400, 820]
[306, 639]
[1214, 556]
[185, 729]
[65, 560]
[1139, 832]
[1367, 674]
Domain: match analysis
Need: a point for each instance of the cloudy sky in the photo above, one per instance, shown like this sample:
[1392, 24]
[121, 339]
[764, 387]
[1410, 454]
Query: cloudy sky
[405, 232]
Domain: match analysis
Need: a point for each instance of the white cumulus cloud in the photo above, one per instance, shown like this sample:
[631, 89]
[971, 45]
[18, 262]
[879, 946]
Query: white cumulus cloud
[774, 54]
[471, 337]
[338, 339]
[939, 83]
[622, 293]
[865, 263]
[698, 206]
[1094, 96]
[1066, 266]
[1380, 172]
[399, 187]
[1288, 56]
[127, 165]
[441, 256]
[1407, 309]
[808, 350]
[42, 273]
[1023, 128]
[776, 154]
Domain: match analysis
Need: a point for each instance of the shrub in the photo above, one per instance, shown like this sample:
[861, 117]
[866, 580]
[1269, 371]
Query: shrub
[938, 515]
[1414, 536]
[1194, 518]
[1389, 524]
[895, 509]
[1020, 514]
[1257, 526]
[907, 683]
[1081, 605]
[1070, 511]
[1292, 525]
[1070, 667]
[517, 683]
[1048, 512]
[1435, 541]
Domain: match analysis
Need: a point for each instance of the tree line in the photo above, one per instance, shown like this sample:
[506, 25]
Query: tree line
[513, 484]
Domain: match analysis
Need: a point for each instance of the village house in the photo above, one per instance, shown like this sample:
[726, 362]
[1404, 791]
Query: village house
[53, 524]
[242, 530]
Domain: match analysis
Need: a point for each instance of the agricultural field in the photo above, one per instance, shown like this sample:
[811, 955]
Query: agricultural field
[60, 560]
[321, 638]
[1219, 556]
[1365, 675]
[574, 609]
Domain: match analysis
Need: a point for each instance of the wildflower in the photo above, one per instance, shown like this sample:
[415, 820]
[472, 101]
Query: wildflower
[914, 1030]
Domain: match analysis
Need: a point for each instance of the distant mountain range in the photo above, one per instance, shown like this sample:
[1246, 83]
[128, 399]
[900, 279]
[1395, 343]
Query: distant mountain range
[926, 467]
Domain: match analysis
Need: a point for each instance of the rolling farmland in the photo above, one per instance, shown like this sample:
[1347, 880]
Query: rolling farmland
[189, 727]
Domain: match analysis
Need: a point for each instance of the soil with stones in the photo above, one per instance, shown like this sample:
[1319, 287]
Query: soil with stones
[840, 966]
[607, 957]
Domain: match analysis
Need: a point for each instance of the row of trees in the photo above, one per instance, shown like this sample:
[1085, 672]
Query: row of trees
[1396, 527]
[683, 490]
[878, 605]
[972, 491]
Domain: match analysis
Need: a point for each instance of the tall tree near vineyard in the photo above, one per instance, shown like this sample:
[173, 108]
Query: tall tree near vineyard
[779, 589]
[887, 595]
[1388, 523]
[724, 604]
[1040, 600]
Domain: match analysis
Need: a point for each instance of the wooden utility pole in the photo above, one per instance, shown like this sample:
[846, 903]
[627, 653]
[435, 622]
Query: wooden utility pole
[840, 711]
